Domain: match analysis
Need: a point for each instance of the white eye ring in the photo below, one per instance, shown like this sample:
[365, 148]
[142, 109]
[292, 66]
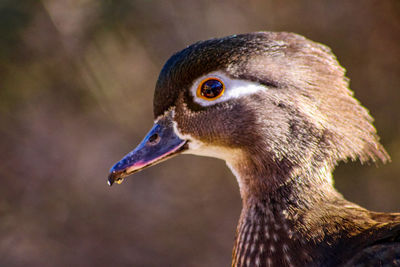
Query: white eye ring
[233, 88]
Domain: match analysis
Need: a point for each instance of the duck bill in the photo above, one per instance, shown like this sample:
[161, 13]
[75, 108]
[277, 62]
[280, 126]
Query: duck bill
[159, 144]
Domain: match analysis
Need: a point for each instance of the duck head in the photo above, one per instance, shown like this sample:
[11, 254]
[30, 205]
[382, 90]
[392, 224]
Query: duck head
[271, 103]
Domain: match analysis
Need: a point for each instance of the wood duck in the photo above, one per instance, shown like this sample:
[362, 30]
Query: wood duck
[277, 109]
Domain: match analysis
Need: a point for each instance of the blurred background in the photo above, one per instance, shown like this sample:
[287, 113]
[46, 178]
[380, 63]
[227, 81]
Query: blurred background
[76, 88]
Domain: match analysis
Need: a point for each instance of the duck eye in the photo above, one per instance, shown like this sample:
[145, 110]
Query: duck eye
[210, 88]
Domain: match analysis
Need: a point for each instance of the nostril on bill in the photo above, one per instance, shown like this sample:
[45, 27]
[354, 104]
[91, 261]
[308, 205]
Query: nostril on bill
[154, 139]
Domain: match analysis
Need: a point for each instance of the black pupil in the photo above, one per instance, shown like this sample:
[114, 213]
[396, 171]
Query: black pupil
[211, 88]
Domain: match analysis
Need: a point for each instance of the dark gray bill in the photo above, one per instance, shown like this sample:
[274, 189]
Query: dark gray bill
[159, 144]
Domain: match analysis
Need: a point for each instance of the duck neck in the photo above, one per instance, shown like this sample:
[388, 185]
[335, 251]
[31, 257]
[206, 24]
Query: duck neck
[278, 222]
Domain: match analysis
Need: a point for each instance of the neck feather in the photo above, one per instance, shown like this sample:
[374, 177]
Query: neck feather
[281, 222]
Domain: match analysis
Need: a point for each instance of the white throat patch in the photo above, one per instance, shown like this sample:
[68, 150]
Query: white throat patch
[229, 155]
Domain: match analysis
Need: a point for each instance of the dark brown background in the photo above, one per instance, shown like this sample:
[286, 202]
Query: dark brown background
[76, 88]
